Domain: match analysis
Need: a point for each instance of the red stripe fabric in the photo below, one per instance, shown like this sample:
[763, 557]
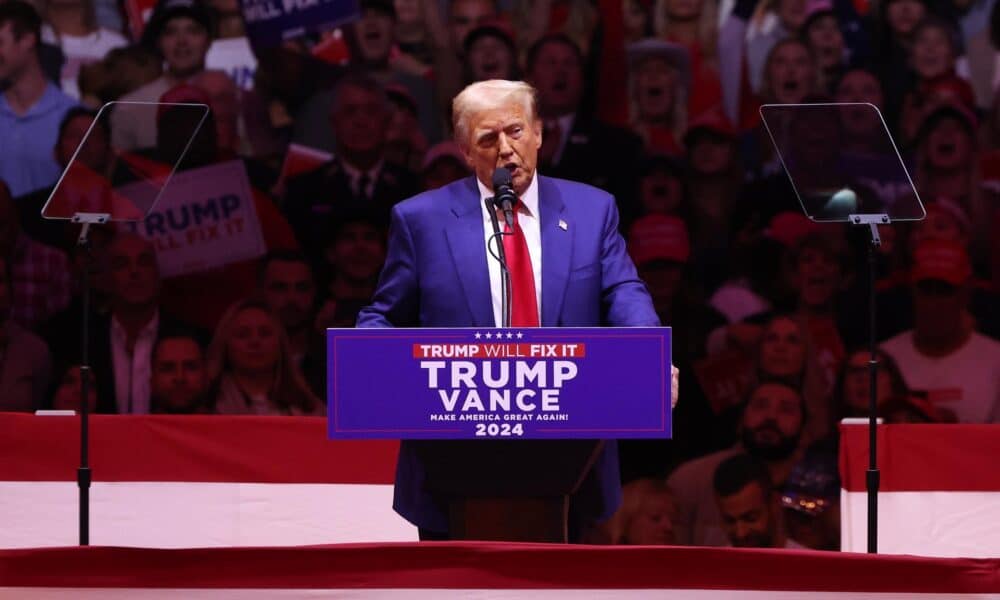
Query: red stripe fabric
[492, 566]
[191, 448]
[921, 458]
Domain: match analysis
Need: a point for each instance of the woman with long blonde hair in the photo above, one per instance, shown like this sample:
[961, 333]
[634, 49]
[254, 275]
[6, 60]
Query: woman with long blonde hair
[691, 23]
[658, 81]
[251, 369]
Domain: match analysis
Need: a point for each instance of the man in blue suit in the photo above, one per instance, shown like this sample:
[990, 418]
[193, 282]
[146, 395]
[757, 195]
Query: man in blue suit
[568, 263]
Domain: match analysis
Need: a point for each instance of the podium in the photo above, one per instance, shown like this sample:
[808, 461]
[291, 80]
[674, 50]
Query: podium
[507, 490]
[500, 426]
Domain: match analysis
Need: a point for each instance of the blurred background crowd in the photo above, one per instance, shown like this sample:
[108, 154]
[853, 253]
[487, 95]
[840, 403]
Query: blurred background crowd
[655, 101]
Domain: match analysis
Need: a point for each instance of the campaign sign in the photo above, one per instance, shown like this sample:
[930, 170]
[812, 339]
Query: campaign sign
[203, 220]
[271, 22]
[466, 383]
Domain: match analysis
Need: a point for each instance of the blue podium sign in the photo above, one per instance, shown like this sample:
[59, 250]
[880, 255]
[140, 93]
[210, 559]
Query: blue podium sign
[271, 22]
[535, 383]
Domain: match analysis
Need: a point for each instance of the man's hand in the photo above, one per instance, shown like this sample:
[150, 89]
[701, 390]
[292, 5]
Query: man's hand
[675, 378]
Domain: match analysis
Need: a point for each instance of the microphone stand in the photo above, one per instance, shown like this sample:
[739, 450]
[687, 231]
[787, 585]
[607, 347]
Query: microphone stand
[501, 257]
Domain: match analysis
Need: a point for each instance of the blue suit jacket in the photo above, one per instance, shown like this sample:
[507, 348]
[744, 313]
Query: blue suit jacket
[436, 275]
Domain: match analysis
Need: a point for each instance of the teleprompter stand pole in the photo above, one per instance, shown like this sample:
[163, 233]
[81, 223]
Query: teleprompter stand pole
[872, 476]
[83, 474]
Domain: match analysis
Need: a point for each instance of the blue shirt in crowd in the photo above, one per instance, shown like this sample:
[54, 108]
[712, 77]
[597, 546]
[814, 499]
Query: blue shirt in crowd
[28, 141]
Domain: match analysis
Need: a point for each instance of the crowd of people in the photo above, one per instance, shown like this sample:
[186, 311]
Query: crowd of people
[654, 101]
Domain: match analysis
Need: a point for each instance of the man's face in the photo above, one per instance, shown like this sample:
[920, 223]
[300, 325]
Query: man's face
[949, 145]
[358, 252]
[94, 154]
[859, 122]
[931, 55]
[505, 136]
[904, 15]
[817, 278]
[464, 16]
[374, 36]
[859, 86]
[792, 14]
[558, 76]
[184, 43]
[135, 276]
[790, 73]
[360, 119]
[712, 154]
[290, 291]
[748, 517]
[179, 380]
[772, 422]
[15, 53]
[490, 58]
[938, 309]
[827, 41]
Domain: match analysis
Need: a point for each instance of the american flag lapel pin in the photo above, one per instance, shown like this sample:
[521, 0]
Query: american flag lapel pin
[563, 225]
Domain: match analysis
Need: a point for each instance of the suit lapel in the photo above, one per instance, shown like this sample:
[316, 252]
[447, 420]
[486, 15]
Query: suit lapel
[557, 244]
[468, 251]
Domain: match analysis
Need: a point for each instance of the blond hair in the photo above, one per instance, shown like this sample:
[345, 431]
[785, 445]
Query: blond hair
[634, 495]
[484, 95]
[288, 389]
[708, 28]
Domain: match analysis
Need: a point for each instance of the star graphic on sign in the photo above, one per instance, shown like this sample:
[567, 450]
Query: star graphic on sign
[489, 335]
[520, 335]
[509, 335]
[478, 335]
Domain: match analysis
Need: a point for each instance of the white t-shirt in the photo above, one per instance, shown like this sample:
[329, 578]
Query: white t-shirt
[235, 58]
[966, 382]
[81, 50]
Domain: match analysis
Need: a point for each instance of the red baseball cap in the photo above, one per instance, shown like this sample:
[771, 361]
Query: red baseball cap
[950, 88]
[182, 93]
[942, 260]
[713, 120]
[788, 228]
[659, 237]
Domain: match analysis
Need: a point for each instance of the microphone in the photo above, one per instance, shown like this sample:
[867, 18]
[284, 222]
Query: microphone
[503, 194]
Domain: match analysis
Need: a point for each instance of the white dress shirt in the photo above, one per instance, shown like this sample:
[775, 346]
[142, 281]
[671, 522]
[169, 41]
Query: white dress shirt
[354, 174]
[565, 131]
[132, 371]
[528, 218]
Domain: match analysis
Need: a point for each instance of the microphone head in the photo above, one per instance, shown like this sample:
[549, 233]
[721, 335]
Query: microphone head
[501, 177]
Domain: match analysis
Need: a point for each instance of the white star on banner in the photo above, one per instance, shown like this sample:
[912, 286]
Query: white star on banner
[520, 335]
[509, 335]
[489, 335]
[478, 335]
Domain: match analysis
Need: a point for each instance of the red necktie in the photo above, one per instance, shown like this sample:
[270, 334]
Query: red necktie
[524, 306]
